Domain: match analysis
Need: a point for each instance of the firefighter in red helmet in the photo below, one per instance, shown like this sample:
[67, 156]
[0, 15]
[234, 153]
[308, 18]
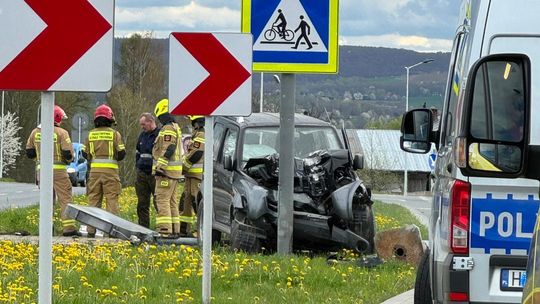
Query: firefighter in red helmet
[62, 156]
[103, 149]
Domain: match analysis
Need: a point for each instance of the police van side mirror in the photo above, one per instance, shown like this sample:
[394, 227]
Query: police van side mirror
[493, 142]
[416, 131]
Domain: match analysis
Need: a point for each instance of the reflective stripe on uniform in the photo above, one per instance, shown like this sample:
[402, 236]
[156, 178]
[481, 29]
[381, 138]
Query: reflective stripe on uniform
[67, 223]
[163, 220]
[145, 155]
[197, 168]
[187, 219]
[176, 220]
[59, 167]
[104, 163]
[121, 147]
[167, 132]
[173, 166]
[199, 139]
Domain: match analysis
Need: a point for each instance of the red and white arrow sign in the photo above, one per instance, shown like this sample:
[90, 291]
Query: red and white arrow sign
[210, 74]
[56, 45]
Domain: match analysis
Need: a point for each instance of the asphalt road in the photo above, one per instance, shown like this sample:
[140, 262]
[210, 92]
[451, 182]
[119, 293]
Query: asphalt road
[16, 195]
[418, 205]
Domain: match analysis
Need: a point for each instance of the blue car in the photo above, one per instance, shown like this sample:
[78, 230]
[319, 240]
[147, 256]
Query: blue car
[77, 169]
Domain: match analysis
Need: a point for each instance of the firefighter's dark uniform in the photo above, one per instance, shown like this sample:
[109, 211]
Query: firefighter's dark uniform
[146, 183]
[168, 170]
[193, 172]
[102, 147]
[62, 155]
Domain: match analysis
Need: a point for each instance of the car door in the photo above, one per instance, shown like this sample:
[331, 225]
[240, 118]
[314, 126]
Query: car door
[222, 177]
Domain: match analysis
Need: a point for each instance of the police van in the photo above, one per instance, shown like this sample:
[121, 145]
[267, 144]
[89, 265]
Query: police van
[485, 197]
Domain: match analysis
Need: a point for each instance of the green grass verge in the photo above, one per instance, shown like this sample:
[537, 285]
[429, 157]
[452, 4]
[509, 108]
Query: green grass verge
[393, 216]
[120, 273]
[7, 180]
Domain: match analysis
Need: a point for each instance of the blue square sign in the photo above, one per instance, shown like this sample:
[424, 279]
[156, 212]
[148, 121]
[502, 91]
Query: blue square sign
[292, 36]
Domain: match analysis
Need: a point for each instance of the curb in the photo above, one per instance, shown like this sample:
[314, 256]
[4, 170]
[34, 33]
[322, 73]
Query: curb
[404, 298]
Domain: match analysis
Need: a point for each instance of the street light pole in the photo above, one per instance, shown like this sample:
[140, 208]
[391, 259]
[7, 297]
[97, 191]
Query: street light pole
[406, 173]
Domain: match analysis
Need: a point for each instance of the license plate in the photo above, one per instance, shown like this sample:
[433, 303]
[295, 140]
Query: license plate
[513, 279]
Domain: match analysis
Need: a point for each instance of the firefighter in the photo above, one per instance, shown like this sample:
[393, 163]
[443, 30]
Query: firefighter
[193, 172]
[62, 155]
[167, 170]
[103, 149]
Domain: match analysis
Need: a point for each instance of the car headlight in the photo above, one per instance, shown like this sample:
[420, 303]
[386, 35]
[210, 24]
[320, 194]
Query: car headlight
[70, 170]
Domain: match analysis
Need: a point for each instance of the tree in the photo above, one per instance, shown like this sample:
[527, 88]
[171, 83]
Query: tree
[141, 68]
[11, 142]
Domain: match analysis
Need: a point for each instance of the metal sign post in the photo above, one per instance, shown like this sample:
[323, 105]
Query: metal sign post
[46, 199]
[208, 208]
[2, 124]
[219, 84]
[286, 164]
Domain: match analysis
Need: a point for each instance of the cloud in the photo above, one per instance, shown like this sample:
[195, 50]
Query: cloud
[418, 43]
[189, 17]
[416, 24]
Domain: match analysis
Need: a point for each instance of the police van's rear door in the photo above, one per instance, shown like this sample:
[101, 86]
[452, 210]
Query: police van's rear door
[503, 211]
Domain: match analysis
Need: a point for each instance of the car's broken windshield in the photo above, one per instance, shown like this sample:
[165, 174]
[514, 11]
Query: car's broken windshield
[263, 141]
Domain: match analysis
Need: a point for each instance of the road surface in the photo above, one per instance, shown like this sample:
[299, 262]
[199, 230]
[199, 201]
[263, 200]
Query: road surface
[420, 206]
[17, 195]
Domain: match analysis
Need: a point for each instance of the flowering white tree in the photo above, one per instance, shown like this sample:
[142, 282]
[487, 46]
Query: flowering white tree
[10, 142]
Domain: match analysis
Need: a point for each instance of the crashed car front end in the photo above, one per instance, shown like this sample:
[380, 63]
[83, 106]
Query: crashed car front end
[332, 207]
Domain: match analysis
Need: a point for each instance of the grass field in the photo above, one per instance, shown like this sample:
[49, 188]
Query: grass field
[122, 273]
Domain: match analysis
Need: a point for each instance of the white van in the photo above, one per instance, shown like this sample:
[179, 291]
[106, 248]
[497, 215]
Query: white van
[488, 164]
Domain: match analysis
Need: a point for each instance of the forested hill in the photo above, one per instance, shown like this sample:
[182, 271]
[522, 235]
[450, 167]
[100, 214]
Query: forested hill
[359, 61]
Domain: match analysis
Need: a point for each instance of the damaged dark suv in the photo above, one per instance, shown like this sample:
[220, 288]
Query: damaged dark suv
[332, 207]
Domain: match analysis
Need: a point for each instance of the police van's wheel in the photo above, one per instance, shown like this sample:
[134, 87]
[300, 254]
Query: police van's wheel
[240, 239]
[216, 234]
[422, 288]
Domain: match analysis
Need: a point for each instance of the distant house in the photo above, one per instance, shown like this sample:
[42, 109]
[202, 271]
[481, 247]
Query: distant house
[381, 151]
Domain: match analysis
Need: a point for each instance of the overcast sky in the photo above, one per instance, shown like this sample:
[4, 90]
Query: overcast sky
[422, 25]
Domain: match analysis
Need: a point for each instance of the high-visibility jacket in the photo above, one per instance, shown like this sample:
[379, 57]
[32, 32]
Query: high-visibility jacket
[62, 142]
[168, 160]
[102, 146]
[194, 159]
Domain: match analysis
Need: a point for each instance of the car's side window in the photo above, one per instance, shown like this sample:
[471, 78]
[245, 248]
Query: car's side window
[219, 130]
[229, 145]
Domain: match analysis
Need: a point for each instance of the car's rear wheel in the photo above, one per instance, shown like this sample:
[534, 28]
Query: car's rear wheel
[422, 287]
[216, 234]
[240, 239]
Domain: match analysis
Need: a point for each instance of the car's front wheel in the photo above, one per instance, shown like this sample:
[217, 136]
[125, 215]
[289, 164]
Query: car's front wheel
[216, 234]
[363, 224]
[240, 239]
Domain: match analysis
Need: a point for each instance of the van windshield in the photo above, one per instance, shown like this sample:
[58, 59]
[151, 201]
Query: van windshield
[263, 141]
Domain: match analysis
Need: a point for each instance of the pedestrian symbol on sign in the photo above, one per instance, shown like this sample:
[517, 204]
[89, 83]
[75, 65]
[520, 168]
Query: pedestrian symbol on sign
[276, 36]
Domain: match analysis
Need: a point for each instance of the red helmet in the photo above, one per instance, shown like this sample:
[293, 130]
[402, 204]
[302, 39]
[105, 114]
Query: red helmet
[59, 114]
[104, 111]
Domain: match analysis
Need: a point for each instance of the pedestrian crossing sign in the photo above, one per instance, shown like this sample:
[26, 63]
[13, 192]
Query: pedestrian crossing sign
[292, 36]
